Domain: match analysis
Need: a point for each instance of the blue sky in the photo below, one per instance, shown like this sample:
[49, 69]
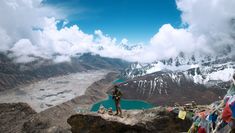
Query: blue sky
[206, 28]
[136, 20]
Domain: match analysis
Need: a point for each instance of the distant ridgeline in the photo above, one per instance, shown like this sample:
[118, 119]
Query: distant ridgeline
[13, 74]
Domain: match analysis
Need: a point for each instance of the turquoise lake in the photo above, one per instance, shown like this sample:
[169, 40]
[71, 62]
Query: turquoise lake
[125, 104]
[118, 81]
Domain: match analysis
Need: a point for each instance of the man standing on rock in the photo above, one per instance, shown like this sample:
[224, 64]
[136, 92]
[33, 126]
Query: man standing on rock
[117, 99]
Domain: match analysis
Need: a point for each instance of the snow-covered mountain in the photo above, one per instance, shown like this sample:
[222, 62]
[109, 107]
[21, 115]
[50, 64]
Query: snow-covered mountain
[181, 79]
[202, 70]
[168, 88]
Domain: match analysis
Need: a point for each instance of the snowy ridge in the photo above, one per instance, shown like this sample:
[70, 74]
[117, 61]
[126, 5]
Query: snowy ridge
[214, 73]
[202, 70]
[157, 83]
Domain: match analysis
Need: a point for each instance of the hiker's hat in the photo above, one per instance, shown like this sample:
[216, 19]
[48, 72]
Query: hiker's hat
[116, 86]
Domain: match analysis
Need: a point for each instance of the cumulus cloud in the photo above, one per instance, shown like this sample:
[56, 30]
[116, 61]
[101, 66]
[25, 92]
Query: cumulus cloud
[17, 20]
[66, 41]
[29, 30]
[214, 19]
[23, 51]
[124, 41]
[169, 42]
[208, 29]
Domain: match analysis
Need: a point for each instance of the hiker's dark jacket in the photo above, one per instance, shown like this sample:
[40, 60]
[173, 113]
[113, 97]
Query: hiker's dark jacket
[117, 95]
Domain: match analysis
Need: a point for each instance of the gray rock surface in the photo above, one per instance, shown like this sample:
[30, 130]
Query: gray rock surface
[20, 117]
[14, 74]
[53, 91]
[13, 116]
[54, 119]
[156, 120]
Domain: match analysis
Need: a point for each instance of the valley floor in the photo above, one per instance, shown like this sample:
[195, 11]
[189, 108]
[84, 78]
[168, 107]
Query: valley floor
[47, 93]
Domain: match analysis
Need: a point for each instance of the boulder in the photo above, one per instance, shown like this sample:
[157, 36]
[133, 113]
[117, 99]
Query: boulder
[143, 121]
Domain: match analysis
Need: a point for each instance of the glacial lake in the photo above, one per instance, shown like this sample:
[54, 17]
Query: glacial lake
[118, 81]
[125, 104]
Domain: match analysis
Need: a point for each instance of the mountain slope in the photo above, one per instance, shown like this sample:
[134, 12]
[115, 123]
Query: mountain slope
[168, 88]
[201, 70]
[13, 116]
[13, 74]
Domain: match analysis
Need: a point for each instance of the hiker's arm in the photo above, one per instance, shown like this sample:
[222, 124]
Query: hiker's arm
[118, 97]
[113, 95]
[120, 94]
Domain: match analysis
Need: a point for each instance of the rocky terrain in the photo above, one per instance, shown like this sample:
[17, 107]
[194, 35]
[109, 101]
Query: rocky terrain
[63, 100]
[168, 88]
[55, 118]
[97, 91]
[47, 93]
[135, 121]
[181, 79]
[13, 116]
[156, 120]
[13, 74]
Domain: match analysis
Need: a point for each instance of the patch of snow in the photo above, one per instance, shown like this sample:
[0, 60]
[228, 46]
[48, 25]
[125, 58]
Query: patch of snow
[223, 75]
[155, 68]
[160, 66]
[125, 84]
[194, 66]
[138, 66]
[198, 79]
[166, 92]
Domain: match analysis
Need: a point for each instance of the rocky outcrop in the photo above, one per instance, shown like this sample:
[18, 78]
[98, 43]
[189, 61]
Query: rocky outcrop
[13, 116]
[21, 118]
[38, 124]
[149, 121]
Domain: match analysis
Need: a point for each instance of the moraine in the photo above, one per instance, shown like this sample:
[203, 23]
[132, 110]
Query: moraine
[53, 91]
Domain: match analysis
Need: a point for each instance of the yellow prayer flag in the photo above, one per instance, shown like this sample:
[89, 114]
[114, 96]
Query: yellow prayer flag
[182, 114]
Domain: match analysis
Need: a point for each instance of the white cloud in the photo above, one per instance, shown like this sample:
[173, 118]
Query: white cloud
[212, 18]
[23, 50]
[124, 41]
[19, 16]
[68, 40]
[168, 42]
[210, 25]
[29, 32]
